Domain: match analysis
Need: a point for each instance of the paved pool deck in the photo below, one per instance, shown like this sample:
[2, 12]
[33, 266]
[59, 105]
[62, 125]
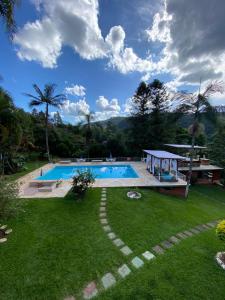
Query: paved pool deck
[145, 180]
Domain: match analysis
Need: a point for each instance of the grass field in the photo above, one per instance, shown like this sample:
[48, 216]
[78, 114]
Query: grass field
[58, 246]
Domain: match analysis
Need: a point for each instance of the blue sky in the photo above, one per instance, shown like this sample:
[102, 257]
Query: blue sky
[98, 51]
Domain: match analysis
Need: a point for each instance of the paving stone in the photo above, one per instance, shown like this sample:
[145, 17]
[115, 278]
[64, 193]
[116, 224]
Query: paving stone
[103, 199]
[3, 240]
[166, 244]
[102, 209]
[174, 240]
[157, 249]
[90, 291]
[108, 280]
[126, 250]
[118, 242]
[70, 298]
[102, 215]
[194, 230]
[199, 227]
[205, 226]
[211, 224]
[148, 255]
[107, 228]
[3, 227]
[8, 231]
[103, 189]
[111, 235]
[103, 203]
[137, 262]
[188, 233]
[104, 194]
[104, 221]
[181, 235]
[124, 271]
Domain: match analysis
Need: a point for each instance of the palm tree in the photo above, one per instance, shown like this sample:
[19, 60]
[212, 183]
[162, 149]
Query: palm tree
[198, 105]
[47, 98]
[7, 13]
[88, 133]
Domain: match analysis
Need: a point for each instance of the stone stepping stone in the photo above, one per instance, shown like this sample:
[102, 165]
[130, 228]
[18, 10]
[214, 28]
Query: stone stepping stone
[188, 233]
[137, 262]
[211, 224]
[194, 230]
[118, 242]
[107, 228]
[3, 227]
[108, 280]
[148, 255]
[70, 298]
[90, 291]
[8, 231]
[166, 245]
[103, 199]
[200, 228]
[103, 189]
[181, 235]
[104, 194]
[3, 240]
[124, 271]
[103, 203]
[174, 240]
[158, 250]
[102, 215]
[102, 209]
[104, 221]
[206, 227]
[111, 235]
[126, 250]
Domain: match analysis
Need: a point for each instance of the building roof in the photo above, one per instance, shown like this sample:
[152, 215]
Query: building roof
[163, 154]
[201, 168]
[185, 146]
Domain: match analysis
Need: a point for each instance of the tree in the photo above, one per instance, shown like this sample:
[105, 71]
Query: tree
[81, 182]
[47, 98]
[198, 105]
[7, 8]
[88, 130]
[57, 119]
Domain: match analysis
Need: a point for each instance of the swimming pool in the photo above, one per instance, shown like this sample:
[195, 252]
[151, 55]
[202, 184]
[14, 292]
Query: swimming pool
[100, 172]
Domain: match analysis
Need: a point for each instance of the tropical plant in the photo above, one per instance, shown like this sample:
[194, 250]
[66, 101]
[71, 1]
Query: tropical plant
[88, 130]
[47, 98]
[7, 8]
[220, 230]
[82, 181]
[198, 105]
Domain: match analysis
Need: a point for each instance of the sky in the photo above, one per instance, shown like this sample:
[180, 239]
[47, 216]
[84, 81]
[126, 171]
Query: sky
[98, 51]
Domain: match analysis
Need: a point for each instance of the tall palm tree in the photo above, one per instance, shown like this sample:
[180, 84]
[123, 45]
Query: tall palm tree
[47, 98]
[88, 133]
[7, 13]
[198, 105]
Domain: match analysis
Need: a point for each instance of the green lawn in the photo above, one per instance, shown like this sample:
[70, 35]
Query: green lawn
[58, 246]
[29, 167]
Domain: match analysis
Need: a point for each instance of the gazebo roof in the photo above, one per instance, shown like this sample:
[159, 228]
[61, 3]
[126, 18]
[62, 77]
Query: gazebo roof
[185, 146]
[163, 154]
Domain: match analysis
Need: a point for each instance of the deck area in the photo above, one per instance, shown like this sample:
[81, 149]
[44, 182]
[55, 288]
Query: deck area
[145, 180]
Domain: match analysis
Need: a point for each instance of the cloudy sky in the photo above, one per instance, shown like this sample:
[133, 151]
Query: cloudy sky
[97, 51]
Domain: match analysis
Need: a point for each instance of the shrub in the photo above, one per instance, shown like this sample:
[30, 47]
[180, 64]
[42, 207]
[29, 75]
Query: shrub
[9, 203]
[220, 230]
[82, 181]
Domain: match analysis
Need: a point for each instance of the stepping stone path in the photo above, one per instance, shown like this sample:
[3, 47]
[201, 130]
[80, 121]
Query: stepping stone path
[148, 255]
[166, 244]
[124, 271]
[118, 242]
[174, 240]
[108, 280]
[137, 262]
[107, 228]
[90, 291]
[111, 235]
[188, 233]
[181, 235]
[104, 221]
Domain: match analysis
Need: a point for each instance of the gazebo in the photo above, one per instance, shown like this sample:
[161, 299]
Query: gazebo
[163, 165]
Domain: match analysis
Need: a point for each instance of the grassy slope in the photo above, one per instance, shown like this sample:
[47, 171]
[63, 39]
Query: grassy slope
[29, 167]
[146, 222]
[56, 247]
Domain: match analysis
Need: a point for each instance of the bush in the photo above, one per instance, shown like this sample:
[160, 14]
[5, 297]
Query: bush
[9, 203]
[220, 230]
[82, 181]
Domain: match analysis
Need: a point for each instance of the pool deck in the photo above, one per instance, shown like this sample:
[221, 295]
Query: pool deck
[145, 180]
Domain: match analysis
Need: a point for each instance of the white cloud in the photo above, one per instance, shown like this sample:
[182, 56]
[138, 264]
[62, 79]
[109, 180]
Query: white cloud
[105, 105]
[78, 108]
[75, 90]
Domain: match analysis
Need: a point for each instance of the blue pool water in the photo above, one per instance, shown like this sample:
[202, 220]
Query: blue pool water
[100, 172]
